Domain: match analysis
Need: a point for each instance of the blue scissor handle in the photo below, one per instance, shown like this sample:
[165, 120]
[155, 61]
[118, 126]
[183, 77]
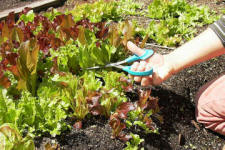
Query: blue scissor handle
[148, 53]
[137, 73]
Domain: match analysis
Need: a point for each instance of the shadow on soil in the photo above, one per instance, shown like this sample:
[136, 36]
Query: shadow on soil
[176, 111]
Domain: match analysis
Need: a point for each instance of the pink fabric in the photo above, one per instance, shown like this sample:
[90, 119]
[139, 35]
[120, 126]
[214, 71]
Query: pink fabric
[210, 105]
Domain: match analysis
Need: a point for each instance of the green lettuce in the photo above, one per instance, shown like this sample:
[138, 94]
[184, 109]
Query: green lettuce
[10, 139]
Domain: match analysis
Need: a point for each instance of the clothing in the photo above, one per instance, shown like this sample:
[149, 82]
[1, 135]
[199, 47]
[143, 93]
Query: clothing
[210, 105]
[219, 28]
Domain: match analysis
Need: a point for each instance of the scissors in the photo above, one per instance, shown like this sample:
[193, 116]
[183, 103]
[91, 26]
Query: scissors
[148, 53]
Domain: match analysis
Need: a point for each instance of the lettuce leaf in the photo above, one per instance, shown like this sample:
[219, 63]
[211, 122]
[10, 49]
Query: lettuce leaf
[10, 139]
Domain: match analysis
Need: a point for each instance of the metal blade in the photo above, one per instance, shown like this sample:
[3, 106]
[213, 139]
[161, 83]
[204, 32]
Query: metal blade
[118, 66]
[106, 66]
[115, 64]
[92, 68]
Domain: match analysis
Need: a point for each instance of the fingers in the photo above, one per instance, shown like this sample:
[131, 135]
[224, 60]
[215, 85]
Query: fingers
[140, 68]
[134, 68]
[146, 81]
[134, 49]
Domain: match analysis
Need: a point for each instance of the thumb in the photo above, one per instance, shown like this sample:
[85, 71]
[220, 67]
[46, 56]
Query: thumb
[134, 49]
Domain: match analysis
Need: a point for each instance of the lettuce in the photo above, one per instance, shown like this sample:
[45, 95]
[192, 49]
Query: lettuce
[11, 139]
[34, 115]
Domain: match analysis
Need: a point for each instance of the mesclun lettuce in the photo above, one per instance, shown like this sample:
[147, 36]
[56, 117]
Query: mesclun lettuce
[10, 138]
[94, 52]
[29, 17]
[138, 114]
[101, 10]
[88, 95]
[33, 115]
[134, 142]
[176, 20]
[41, 81]
[51, 114]
[67, 57]
[88, 50]
[59, 45]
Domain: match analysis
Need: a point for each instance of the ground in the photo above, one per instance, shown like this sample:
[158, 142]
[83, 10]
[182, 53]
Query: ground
[176, 99]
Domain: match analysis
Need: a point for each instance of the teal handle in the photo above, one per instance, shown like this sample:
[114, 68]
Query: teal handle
[148, 53]
[137, 73]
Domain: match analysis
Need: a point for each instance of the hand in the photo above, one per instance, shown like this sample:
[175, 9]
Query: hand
[162, 69]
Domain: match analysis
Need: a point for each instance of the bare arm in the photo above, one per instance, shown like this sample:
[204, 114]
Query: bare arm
[209, 44]
[204, 47]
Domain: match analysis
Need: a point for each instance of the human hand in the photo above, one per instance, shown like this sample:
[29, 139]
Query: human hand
[162, 67]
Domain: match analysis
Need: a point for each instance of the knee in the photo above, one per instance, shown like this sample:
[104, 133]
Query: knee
[212, 116]
[202, 115]
[210, 105]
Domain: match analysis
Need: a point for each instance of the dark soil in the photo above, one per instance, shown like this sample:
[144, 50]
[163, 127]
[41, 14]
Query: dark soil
[176, 99]
[95, 134]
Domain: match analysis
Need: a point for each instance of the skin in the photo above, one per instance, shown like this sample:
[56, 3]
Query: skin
[205, 46]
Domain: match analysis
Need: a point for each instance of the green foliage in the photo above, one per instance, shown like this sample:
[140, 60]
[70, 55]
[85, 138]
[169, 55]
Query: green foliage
[113, 80]
[43, 115]
[180, 9]
[112, 93]
[161, 33]
[90, 83]
[76, 90]
[90, 54]
[10, 139]
[96, 12]
[29, 17]
[101, 10]
[177, 20]
[128, 7]
[223, 11]
[67, 57]
[135, 141]
[82, 93]
[52, 15]
[40, 62]
[51, 111]
[27, 66]
[137, 117]
[136, 114]
[76, 55]
[8, 112]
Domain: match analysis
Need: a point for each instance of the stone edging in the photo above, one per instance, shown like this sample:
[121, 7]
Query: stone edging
[36, 6]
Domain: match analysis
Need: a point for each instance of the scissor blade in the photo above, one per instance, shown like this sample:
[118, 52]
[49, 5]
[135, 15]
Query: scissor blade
[92, 68]
[115, 64]
[108, 65]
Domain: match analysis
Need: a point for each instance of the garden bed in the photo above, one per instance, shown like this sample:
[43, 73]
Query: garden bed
[176, 100]
[176, 97]
[178, 107]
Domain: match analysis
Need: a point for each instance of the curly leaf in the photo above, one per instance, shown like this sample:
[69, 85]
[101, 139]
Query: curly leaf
[11, 139]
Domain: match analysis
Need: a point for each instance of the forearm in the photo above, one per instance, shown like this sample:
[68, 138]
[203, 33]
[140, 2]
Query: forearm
[204, 47]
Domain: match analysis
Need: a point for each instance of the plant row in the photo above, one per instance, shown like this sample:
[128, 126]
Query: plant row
[176, 21]
[43, 80]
